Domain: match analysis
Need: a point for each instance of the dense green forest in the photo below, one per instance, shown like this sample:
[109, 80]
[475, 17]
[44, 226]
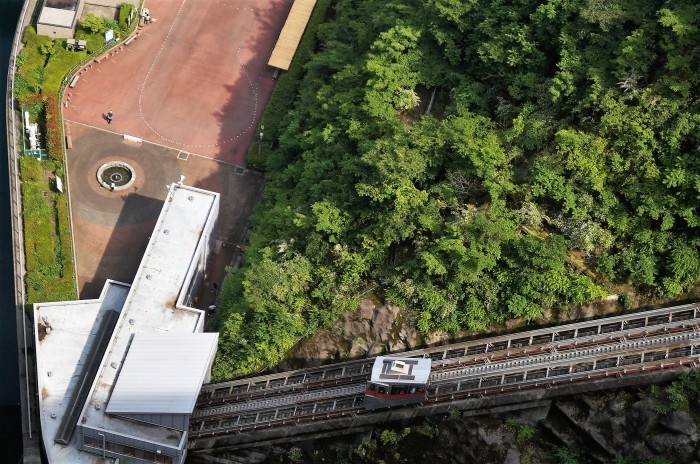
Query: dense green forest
[560, 161]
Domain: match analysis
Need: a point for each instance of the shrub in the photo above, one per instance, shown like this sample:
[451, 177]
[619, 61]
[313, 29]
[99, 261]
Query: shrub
[389, 437]
[678, 394]
[42, 65]
[295, 455]
[47, 240]
[565, 455]
[125, 10]
[625, 300]
[93, 24]
[287, 88]
[54, 141]
[58, 65]
[525, 432]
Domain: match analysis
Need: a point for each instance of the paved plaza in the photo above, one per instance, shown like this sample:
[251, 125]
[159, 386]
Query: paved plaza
[111, 228]
[195, 80]
[192, 85]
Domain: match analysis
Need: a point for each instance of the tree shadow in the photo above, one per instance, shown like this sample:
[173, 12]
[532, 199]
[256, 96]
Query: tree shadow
[255, 83]
[119, 262]
[129, 216]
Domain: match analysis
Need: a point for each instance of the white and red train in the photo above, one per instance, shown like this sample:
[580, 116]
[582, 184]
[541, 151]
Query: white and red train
[397, 382]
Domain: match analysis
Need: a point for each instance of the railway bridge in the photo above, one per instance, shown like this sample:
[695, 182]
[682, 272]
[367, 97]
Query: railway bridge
[479, 374]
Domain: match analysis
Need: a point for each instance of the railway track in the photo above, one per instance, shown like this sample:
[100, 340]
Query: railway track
[541, 358]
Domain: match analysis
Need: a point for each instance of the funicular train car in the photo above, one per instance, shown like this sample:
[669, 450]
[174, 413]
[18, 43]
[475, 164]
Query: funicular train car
[397, 382]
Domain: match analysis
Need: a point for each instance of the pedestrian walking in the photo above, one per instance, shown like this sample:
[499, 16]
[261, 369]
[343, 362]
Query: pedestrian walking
[215, 289]
[212, 309]
[110, 115]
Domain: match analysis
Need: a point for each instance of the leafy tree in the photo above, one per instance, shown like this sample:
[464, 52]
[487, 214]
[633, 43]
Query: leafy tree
[560, 157]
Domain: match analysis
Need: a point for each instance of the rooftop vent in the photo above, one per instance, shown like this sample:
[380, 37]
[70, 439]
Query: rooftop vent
[191, 198]
[400, 366]
[131, 321]
[113, 364]
[166, 231]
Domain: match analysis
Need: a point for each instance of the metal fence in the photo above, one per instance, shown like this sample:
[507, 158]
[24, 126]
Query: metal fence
[13, 153]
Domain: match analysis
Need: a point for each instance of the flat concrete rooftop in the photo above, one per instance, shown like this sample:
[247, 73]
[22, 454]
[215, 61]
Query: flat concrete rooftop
[64, 337]
[154, 304]
[57, 17]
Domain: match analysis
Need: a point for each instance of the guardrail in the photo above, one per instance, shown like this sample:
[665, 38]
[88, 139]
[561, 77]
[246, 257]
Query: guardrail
[611, 347]
[13, 152]
[15, 205]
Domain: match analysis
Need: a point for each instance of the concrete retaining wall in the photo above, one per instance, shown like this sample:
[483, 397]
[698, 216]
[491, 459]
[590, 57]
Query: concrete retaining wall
[28, 398]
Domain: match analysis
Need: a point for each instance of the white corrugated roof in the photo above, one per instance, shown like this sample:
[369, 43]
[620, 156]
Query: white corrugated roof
[163, 373]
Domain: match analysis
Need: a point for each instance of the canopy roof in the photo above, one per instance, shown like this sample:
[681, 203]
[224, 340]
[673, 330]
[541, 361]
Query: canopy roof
[289, 38]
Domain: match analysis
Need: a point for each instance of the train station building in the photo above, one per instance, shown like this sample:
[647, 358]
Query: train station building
[118, 376]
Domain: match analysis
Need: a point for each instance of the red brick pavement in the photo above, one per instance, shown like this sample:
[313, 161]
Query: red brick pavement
[196, 79]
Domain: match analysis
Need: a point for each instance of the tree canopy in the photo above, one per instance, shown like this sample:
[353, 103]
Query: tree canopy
[561, 129]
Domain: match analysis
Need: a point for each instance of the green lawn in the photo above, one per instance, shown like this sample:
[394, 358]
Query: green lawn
[47, 239]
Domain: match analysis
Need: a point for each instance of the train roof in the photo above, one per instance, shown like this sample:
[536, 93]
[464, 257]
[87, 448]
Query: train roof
[406, 371]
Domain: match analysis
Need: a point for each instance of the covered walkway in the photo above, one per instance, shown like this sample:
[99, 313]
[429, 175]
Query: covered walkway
[291, 34]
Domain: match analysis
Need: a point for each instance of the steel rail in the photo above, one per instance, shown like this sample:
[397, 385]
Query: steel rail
[556, 337]
[675, 350]
[650, 366]
[298, 414]
[584, 362]
[552, 358]
[282, 401]
[442, 366]
[592, 340]
[290, 380]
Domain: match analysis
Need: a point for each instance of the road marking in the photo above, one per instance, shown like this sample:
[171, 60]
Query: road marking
[253, 86]
[120, 134]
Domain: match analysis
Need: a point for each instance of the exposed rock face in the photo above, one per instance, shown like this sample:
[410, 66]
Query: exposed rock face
[641, 418]
[621, 424]
[602, 426]
[372, 330]
[598, 427]
[680, 422]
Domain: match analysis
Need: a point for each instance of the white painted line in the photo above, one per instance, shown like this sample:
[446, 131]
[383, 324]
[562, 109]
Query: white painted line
[253, 86]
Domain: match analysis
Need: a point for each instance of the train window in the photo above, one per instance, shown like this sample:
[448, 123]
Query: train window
[381, 390]
[372, 387]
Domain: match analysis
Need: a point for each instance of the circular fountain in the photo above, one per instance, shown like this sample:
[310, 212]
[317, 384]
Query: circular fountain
[116, 175]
